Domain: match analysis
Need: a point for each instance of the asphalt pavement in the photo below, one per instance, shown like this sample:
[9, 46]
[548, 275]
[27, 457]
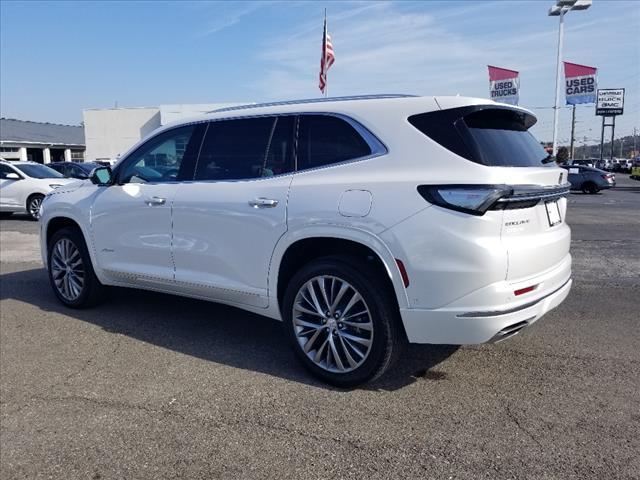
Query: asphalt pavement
[154, 386]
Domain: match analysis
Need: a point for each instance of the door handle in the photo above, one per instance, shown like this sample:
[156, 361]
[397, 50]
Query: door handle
[263, 203]
[155, 201]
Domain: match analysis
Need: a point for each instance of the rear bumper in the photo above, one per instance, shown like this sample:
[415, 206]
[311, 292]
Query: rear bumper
[451, 326]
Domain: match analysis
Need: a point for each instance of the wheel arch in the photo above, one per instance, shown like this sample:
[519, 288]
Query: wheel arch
[37, 193]
[57, 222]
[295, 250]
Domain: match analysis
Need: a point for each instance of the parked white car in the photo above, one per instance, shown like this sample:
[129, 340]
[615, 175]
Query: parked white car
[23, 185]
[361, 222]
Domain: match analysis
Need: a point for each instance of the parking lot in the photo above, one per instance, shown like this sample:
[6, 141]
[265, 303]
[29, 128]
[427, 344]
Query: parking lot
[153, 386]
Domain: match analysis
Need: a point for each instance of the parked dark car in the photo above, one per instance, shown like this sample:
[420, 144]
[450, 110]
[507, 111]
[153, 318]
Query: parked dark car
[79, 170]
[589, 179]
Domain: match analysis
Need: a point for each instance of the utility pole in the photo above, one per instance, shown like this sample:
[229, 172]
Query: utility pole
[573, 129]
[560, 9]
[556, 107]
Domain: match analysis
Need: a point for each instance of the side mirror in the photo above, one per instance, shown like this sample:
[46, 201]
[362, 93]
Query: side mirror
[101, 176]
[12, 176]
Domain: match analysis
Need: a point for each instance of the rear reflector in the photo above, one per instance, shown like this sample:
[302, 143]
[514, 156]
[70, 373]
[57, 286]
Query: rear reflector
[522, 291]
[403, 273]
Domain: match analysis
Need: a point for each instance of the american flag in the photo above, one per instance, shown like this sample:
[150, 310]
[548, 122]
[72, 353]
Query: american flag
[327, 57]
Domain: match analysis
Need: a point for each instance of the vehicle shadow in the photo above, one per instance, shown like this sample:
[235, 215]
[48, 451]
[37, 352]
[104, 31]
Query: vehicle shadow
[628, 188]
[210, 331]
[19, 216]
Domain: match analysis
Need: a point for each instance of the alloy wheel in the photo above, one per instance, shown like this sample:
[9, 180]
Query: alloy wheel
[34, 207]
[67, 269]
[333, 324]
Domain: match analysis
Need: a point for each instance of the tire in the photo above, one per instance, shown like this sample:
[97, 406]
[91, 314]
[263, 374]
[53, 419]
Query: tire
[76, 286]
[363, 353]
[590, 187]
[33, 205]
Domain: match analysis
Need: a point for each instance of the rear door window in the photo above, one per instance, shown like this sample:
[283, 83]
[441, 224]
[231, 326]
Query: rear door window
[326, 139]
[247, 148]
[497, 137]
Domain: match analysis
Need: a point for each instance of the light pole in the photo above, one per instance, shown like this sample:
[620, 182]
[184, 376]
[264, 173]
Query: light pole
[559, 10]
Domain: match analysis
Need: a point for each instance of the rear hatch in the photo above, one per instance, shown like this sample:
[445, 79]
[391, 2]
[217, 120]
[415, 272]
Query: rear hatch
[525, 185]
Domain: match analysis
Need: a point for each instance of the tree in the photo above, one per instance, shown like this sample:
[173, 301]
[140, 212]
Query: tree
[563, 155]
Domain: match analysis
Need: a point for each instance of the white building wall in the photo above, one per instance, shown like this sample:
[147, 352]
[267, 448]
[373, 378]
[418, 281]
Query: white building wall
[109, 133]
[171, 113]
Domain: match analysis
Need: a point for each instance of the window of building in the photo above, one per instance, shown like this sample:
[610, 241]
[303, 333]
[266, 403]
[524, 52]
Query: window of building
[325, 139]
[9, 149]
[77, 155]
[246, 148]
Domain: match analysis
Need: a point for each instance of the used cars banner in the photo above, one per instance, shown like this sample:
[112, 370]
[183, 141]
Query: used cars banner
[504, 85]
[580, 83]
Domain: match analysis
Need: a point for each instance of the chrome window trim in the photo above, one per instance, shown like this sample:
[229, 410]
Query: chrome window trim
[378, 148]
[375, 144]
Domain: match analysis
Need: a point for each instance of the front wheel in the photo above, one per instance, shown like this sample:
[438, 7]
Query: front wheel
[33, 205]
[590, 187]
[70, 270]
[342, 320]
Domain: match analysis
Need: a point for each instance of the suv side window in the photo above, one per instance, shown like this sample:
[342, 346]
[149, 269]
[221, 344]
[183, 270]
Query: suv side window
[164, 158]
[63, 169]
[325, 139]
[246, 148]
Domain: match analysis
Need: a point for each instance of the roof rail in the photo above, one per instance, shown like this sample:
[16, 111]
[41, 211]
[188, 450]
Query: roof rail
[312, 100]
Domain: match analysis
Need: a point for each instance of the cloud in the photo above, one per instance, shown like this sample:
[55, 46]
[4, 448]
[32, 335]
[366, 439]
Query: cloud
[226, 14]
[402, 47]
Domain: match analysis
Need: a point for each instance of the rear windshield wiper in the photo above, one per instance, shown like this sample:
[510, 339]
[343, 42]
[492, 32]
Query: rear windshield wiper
[550, 158]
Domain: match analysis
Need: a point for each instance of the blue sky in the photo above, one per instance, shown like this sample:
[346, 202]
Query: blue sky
[58, 58]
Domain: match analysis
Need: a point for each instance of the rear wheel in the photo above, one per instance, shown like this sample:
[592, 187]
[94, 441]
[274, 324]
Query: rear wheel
[71, 273]
[33, 205]
[589, 187]
[342, 320]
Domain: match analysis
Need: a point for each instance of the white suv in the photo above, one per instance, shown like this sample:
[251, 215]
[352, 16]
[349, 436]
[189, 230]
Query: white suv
[361, 222]
[23, 185]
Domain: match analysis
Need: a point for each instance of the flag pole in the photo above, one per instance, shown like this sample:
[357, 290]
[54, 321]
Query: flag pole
[324, 53]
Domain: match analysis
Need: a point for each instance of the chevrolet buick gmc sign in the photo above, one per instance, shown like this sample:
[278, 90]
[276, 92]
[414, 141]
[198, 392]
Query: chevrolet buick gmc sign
[610, 102]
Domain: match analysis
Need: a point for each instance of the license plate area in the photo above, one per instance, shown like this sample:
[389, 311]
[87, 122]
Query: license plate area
[553, 213]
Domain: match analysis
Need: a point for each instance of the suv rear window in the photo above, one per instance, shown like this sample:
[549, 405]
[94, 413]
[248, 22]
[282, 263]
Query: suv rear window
[497, 137]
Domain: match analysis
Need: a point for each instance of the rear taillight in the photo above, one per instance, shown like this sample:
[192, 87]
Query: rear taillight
[472, 199]
[477, 199]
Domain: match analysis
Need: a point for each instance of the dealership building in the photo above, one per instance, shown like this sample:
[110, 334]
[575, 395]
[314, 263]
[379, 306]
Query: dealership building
[40, 142]
[110, 132]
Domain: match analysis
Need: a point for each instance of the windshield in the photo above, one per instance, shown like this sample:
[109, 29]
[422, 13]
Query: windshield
[38, 171]
[87, 167]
